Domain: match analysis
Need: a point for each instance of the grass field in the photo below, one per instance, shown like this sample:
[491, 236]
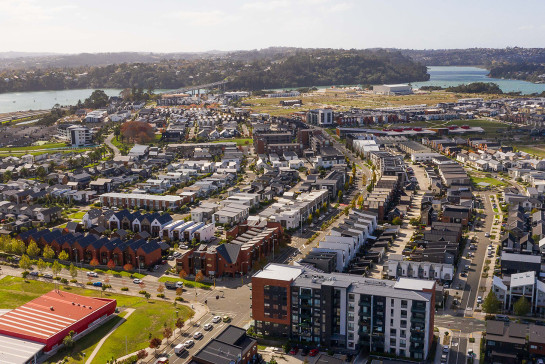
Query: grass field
[148, 319]
[538, 150]
[187, 283]
[342, 101]
[35, 147]
[239, 141]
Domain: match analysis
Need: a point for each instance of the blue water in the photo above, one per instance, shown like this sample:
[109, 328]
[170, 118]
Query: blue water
[42, 100]
[446, 76]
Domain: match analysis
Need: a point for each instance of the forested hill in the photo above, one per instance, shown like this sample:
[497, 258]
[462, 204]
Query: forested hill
[475, 56]
[520, 71]
[271, 68]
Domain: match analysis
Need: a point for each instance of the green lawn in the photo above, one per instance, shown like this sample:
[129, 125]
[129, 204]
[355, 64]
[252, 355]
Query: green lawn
[187, 283]
[35, 147]
[491, 181]
[148, 318]
[239, 141]
[538, 150]
[78, 215]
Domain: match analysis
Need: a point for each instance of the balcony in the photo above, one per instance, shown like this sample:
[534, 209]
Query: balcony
[364, 304]
[418, 321]
[418, 309]
[417, 339]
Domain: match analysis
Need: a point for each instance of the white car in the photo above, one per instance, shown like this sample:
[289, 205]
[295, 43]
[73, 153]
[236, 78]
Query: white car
[189, 343]
[198, 335]
[216, 319]
[137, 281]
[92, 274]
[208, 327]
[479, 300]
[487, 235]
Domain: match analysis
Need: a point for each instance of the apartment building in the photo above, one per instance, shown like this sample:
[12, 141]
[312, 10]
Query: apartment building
[128, 200]
[344, 312]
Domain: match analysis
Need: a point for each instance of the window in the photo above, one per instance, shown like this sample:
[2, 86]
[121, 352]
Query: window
[403, 323]
[403, 303]
[393, 332]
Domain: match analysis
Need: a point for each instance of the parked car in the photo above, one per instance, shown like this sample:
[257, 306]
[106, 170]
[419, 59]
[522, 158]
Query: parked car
[92, 274]
[445, 348]
[294, 350]
[137, 281]
[313, 352]
[48, 276]
[198, 335]
[179, 349]
[34, 274]
[216, 319]
[162, 360]
[97, 284]
[189, 343]
[208, 327]
[170, 257]
[305, 351]
[226, 319]
[479, 300]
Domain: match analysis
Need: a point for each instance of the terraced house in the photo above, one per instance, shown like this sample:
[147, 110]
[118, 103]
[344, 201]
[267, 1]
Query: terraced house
[85, 248]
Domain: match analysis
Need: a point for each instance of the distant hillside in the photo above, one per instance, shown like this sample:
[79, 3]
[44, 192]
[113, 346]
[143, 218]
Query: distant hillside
[475, 56]
[247, 70]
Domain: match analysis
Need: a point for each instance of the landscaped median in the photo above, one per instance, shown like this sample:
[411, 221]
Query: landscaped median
[187, 283]
[147, 321]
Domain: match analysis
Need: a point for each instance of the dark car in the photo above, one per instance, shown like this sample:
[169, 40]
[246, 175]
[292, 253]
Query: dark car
[305, 351]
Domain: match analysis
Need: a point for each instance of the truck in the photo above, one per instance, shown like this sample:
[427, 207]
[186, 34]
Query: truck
[173, 285]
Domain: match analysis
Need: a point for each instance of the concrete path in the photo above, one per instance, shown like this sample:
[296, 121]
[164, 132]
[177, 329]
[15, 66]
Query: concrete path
[99, 345]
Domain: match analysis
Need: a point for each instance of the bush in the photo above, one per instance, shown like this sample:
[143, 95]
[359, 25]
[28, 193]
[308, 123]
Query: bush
[64, 281]
[124, 288]
[471, 339]
[161, 295]
[142, 291]
[180, 299]
[89, 283]
[73, 281]
[57, 278]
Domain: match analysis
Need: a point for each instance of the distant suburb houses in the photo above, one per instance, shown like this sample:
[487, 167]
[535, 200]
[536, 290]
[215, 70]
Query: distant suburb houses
[136, 200]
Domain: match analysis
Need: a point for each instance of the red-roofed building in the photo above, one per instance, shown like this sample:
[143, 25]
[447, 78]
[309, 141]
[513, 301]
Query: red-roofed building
[49, 318]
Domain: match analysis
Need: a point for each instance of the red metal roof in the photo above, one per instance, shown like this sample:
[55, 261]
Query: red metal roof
[48, 315]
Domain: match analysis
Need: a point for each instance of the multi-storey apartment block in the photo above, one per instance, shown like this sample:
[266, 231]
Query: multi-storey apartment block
[343, 311]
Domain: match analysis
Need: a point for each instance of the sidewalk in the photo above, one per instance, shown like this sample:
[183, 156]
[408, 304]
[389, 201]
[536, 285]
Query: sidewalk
[99, 345]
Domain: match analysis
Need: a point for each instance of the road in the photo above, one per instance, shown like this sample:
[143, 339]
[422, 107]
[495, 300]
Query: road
[108, 142]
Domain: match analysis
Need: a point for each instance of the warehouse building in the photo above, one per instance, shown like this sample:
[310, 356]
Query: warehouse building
[401, 89]
[40, 325]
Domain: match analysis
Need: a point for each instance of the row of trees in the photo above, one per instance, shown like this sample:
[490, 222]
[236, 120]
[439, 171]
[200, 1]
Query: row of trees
[492, 305]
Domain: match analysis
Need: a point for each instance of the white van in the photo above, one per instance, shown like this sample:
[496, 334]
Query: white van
[179, 349]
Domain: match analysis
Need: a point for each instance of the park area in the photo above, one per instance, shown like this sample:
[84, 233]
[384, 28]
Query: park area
[148, 320]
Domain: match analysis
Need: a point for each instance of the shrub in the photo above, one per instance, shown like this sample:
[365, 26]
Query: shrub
[64, 281]
[471, 339]
[73, 281]
[89, 283]
[142, 292]
[161, 295]
[124, 288]
[179, 299]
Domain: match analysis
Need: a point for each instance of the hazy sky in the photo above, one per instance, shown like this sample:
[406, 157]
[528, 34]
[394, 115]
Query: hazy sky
[73, 26]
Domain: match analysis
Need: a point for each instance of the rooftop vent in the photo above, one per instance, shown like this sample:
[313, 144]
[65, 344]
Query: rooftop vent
[51, 308]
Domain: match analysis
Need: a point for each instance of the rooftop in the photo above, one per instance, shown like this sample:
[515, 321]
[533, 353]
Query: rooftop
[279, 271]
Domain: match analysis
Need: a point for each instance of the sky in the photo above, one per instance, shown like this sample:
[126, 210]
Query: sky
[75, 26]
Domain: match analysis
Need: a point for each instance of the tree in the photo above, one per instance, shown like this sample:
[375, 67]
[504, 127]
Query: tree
[160, 289]
[179, 323]
[25, 262]
[155, 343]
[56, 268]
[32, 250]
[128, 267]
[68, 340]
[73, 271]
[340, 196]
[167, 333]
[48, 252]
[397, 220]
[414, 221]
[94, 262]
[64, 255]
[179, 291]
[41, 265]
[41, 173]
[491, 303]
[137, 131]
[141, 354]
[111, 264]
[521, 307]
[97, 100]
[182, 274]
[18, 247]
